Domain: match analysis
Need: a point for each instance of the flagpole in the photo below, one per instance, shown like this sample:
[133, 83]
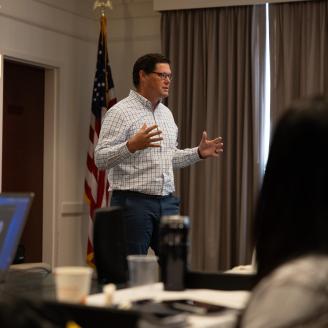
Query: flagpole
[104, 5]
[96, 186]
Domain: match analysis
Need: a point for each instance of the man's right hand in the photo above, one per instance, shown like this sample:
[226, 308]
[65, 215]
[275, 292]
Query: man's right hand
[144, 138]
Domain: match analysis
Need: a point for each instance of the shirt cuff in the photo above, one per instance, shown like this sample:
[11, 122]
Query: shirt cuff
[125, 152]
[199, 155]
[196, 155]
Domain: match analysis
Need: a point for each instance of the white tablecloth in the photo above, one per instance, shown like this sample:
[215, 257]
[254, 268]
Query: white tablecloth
[233, 299]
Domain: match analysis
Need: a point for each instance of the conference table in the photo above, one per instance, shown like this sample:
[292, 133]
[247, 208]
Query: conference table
[133, 307]
[150, 296]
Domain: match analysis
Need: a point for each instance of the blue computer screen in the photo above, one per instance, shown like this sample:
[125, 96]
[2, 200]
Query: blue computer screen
[13, 211]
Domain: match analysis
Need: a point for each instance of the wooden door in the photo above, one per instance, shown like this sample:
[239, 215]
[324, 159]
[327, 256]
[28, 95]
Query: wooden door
[23, 142]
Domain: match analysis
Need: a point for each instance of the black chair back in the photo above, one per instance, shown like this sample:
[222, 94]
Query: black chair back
[110, 246]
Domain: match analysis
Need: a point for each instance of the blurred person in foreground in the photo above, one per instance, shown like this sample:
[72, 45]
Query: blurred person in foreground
[291, 224]
[138, 144]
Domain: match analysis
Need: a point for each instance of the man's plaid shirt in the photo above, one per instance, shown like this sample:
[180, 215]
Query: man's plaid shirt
[150, 170]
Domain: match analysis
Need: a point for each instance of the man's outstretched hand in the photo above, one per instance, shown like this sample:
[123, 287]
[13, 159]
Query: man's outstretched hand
[210, 148]
[144, 138]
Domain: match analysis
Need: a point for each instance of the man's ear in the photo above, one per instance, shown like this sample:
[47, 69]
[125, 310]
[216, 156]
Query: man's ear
[142, 75]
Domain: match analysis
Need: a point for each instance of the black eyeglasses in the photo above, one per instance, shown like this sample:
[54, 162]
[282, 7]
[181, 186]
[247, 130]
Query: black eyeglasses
[164, 76]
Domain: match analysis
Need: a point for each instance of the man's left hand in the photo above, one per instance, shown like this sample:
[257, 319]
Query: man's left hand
[210, 148]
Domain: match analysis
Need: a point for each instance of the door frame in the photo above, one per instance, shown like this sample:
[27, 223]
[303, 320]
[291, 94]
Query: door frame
[50, 169]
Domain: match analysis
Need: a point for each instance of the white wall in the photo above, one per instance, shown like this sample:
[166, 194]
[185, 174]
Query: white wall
[61, 35]
[134, 29]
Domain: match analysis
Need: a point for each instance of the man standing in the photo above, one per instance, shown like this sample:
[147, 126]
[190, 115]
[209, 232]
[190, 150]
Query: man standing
[138, 143]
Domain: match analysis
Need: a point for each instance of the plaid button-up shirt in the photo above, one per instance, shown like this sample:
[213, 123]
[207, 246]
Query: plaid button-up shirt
[150, 170]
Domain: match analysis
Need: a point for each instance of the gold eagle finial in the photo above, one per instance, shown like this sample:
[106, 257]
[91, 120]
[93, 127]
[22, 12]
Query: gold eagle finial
[102, 5]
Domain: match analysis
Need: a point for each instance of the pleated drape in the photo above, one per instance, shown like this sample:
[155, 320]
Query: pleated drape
[217, 57]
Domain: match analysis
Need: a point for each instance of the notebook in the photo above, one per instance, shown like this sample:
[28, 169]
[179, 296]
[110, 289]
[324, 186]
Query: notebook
[14, 209]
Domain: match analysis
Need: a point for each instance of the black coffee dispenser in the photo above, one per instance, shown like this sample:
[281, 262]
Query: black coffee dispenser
[173, 251]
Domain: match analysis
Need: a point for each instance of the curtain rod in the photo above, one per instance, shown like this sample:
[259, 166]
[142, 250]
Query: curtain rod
[161, 5]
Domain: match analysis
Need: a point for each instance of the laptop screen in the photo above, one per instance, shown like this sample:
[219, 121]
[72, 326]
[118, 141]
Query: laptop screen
[14, 209]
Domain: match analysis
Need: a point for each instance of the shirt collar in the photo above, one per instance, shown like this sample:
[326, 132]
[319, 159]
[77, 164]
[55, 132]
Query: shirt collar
[144, 101]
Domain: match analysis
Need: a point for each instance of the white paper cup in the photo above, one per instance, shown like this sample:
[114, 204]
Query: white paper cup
[143, 269]
[73, 283]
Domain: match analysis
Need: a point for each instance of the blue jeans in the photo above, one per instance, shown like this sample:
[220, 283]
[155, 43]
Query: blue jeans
[143, 213]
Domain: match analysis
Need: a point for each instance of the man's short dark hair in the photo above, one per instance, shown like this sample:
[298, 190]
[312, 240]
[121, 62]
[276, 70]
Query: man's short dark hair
[147, 64]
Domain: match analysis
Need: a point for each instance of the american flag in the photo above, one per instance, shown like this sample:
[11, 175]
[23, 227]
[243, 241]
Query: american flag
[96, 185]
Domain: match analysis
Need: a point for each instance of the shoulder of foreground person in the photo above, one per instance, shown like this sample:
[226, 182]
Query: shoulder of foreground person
[294, 295]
